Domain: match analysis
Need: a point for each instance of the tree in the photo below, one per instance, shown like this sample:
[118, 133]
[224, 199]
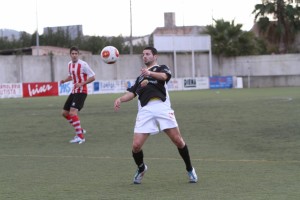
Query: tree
[280, 33]
[117, 42]
[25, 39]
[62, 38]
[229, 40]
[5, 43]
[93, 44]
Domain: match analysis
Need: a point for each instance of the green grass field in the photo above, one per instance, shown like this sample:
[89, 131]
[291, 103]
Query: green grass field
[244, 144]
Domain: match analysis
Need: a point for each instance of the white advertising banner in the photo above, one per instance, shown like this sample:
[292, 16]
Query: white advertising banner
[11, 90]
[65, 89]
[195, 83]
[113, 86]
[15, 90]
[175, 84]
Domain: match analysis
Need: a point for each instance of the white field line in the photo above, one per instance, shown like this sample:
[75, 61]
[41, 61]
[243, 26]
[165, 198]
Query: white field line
[282, 98]
[129, 158]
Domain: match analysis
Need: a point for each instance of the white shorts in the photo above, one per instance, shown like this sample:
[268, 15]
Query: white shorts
[154, 117]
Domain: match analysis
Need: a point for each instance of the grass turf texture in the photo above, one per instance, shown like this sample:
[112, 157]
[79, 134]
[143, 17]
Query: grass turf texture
[244, 144]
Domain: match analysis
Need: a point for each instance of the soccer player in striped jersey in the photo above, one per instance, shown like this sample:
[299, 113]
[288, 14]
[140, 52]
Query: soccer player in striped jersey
[154, 113]
[81, 74]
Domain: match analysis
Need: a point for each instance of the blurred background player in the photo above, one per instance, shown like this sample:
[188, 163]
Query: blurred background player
[81, 74]
[154, 113]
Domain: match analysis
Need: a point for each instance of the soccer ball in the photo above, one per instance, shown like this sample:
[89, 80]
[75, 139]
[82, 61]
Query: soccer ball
[109, 54]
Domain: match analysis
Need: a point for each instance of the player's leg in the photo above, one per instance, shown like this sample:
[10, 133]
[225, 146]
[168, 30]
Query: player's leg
[175, 136]
[76, 122]
[137, 144]
[66, 109]
[168, 123]
[67, 116]
[144, 126]
[137, 153]
[76, 105]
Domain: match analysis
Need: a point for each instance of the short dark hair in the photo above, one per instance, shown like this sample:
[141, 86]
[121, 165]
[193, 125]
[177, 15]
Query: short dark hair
[152, 49]
[74, 48]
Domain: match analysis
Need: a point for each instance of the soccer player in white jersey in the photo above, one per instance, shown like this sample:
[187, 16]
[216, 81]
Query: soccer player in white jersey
[81, 74]
[154, 108]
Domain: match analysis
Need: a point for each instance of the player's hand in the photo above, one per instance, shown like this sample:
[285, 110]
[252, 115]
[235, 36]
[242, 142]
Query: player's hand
[144, 83]
[61, 82]
[145, 72]
[77, 85]
[117, 104]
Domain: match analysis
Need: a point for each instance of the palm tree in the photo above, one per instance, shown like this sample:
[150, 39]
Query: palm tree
[228, 39]
[281, 32]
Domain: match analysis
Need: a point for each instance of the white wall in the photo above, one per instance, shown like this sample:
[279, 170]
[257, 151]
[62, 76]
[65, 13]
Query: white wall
[277, 69]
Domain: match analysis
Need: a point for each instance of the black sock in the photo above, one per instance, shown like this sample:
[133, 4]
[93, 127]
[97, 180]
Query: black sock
[139, 160]
[184, 153]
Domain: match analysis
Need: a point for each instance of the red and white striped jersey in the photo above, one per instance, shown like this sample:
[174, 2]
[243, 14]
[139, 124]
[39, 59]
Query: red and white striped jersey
[80, 72]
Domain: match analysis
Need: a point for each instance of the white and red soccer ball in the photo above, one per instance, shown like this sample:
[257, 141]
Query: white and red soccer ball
[109, 54]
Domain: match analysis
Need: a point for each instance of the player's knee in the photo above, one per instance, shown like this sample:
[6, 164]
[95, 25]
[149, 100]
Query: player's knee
[64, 113]
[73, 112]
[179, 142]
[136, 147]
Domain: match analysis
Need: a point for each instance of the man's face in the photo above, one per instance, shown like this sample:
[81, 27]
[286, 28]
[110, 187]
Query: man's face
[148, 57]
[74, 56]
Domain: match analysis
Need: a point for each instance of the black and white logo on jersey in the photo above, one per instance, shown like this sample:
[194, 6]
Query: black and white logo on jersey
[141, 78]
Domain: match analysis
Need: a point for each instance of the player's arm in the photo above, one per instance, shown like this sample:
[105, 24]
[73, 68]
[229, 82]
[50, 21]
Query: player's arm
[126, 97]
[156, 75]
[90, 74]
[69, 78]
[89, 80]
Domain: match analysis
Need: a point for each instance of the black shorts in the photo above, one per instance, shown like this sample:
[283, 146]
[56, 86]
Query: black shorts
[75, 101]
